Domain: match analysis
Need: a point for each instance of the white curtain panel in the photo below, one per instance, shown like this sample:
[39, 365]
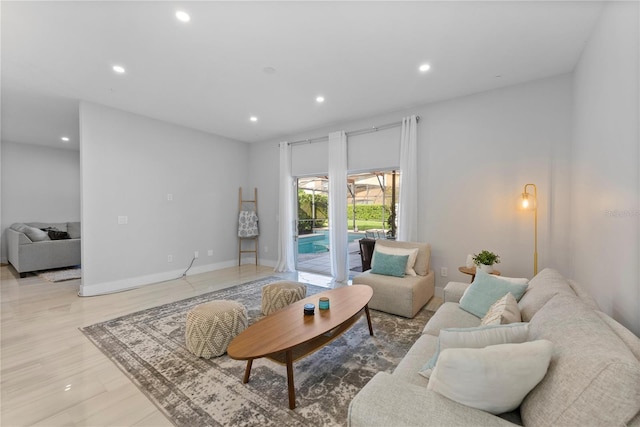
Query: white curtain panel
[286, 260]
[338, 240]
[408, 207]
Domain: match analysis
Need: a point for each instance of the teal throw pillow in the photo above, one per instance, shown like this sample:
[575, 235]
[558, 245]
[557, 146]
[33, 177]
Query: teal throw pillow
[487, 289]
[390, 265]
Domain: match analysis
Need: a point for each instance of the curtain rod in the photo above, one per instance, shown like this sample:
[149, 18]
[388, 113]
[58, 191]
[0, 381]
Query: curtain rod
[352, 133]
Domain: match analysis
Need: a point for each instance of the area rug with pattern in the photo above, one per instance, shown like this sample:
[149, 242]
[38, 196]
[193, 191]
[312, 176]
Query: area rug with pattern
[149, 347]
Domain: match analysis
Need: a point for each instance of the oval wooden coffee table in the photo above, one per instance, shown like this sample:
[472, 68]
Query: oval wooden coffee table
[288, 335]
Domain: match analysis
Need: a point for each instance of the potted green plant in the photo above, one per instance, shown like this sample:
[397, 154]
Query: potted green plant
[485, 260]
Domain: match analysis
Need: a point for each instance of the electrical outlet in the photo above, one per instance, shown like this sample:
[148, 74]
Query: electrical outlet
[266, 249]
[196, 254]
[169, 258]
[210, 252]
[444, 271]
[123, 219]
[169, 197]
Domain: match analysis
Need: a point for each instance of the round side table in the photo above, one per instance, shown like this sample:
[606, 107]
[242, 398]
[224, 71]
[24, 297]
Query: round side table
[472, 272]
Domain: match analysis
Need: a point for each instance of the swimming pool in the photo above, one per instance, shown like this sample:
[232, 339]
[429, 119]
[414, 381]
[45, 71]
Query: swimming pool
[318, 242]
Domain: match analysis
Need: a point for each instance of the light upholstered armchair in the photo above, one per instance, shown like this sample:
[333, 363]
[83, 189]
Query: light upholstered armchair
[404, 296]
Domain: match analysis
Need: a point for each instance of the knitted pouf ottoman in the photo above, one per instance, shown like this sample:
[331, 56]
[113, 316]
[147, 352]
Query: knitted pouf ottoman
[280, 294]
[211, 327]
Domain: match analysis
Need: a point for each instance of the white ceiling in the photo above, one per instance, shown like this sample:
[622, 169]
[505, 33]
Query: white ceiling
[208, 74]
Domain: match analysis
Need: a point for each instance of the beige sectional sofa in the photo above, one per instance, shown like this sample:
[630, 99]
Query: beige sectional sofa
[593, 378]
[403, 296]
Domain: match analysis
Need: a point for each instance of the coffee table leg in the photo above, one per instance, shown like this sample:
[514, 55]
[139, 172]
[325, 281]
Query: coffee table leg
[292, 391]
[247, 371]
[366, 310]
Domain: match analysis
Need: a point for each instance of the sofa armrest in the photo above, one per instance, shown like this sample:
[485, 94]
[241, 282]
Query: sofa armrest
[390, 401]
[14, 240]
[454, 290]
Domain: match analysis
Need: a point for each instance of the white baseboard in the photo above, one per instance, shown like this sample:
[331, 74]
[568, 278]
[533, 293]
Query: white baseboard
[136, 282]
[267, 262]
[209, 267]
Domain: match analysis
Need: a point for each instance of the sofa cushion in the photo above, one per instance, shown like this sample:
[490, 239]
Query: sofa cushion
[541, 289]
[60, 226]
[18, 226]
[411, 261]
[485, 290]
[387, 400]
[479, 337]
[450, 315]
[628, 338]
[495, 378]
[414, 360]
[35, 234]
[73, 228]
[593, 378]
[421, 266]
[390, 265]
[583, 294]
[503, 312]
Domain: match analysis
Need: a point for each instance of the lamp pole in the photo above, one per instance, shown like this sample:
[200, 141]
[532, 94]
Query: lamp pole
[525, 201]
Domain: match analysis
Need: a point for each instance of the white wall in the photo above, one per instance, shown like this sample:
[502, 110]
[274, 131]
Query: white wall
[475, 155]
[605, 178]
[39, 184]
[129, 164]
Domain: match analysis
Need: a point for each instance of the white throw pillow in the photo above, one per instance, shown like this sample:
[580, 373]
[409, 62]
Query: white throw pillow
[411, 261]
[494, 379]
[477, 337]
[503, 311]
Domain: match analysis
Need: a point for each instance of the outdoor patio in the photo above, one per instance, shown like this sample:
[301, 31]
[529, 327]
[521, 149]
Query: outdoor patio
[321, 264]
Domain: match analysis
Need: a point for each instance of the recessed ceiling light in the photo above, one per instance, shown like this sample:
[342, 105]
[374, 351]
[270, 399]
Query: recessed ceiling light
[424, 68]
[183, 16]
[118, 69]
[65, 139]
[253, 118]
[320, 99]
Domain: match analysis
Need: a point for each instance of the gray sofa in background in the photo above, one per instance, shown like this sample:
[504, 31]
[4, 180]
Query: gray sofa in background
[30, 249]
[593, 378]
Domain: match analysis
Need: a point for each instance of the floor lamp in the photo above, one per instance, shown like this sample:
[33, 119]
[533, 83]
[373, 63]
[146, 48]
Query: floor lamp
[529, 202]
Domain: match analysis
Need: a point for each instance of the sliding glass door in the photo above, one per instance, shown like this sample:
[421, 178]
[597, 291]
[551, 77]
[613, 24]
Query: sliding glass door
[312, 231]
[371, 212]
[373, 201]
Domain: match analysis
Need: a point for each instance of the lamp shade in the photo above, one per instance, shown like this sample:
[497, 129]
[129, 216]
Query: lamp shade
[527, 201]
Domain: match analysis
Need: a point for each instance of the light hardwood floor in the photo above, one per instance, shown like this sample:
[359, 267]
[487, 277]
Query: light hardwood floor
[51, 375]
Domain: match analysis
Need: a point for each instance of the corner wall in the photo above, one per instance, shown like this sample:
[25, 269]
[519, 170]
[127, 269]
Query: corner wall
[129, 166]
[39, 184]
[605, 221]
